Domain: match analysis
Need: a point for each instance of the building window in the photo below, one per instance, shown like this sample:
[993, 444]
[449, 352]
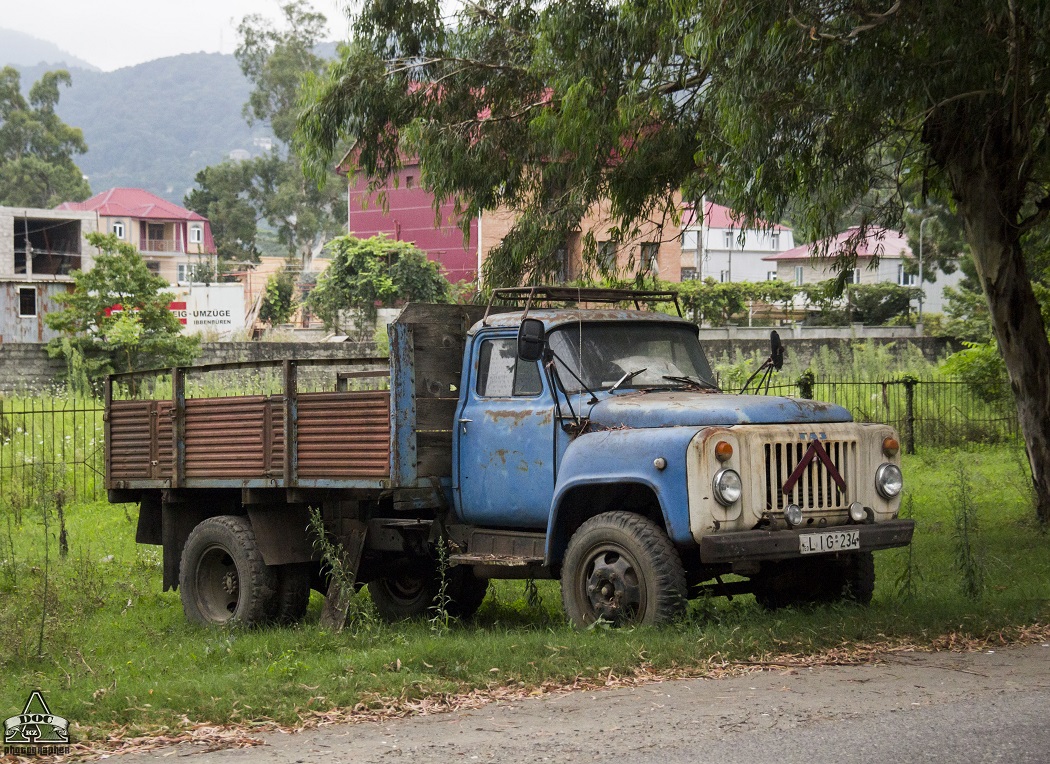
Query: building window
[690, 240]
[410, 181]
[853, 277]
[27, 301]
[906, 279]
[774, 240]
[690, 274]
[650, 258]
[729, 239]
[607, 256]
[723, 276]
[196, 234]
[153, 266]
[771, 275]
[799, 275]
[117, 228]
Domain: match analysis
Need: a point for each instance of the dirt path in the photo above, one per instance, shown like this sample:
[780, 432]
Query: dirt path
[983, 706]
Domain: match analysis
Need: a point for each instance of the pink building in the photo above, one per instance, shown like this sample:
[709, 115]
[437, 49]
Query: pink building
[173, 240]
[409, 216]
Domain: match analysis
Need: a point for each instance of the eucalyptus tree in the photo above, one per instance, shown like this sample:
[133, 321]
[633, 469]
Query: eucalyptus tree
[546, 108]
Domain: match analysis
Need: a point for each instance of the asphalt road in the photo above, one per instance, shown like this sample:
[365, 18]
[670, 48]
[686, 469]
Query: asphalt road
[989, 706]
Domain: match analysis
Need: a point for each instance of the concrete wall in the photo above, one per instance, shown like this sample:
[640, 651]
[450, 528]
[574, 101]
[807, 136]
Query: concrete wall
[27, 366]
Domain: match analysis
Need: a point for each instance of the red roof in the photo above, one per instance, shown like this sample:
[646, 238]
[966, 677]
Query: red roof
[717, 216]
[132, 203]
[880, 241]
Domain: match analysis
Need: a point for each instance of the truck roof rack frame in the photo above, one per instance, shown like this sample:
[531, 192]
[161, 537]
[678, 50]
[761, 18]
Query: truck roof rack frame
[527, 297]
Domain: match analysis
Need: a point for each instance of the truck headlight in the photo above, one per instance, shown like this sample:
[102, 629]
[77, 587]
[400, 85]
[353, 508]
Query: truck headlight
[727, 487]
[888, 480]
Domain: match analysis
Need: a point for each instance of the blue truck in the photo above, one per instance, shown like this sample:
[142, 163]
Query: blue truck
[554, 433]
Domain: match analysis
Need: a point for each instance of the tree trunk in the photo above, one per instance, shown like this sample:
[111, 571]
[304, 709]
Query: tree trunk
[988, 195]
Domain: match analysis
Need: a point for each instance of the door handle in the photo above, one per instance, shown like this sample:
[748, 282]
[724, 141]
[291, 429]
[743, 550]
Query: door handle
[466, 420]
[463, 425]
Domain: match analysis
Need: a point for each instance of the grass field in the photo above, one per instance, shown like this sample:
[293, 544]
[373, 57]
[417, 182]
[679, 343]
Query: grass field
[112, 653]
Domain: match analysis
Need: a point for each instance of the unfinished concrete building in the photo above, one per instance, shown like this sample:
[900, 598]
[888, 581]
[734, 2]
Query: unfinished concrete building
[39, 249]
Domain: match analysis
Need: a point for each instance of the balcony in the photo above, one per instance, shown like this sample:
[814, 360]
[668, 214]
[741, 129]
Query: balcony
[162, 245]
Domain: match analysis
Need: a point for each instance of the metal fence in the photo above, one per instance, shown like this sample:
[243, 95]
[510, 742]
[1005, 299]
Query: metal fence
[51, 449]
[54, 446]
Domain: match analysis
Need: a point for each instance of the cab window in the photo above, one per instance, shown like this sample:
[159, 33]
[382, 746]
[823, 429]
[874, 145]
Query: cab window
[502, 375]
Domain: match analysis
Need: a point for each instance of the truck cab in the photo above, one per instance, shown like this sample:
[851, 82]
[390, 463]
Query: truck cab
[612, 424]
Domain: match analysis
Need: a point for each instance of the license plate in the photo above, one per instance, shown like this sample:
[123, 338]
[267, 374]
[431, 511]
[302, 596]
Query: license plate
[830, 541]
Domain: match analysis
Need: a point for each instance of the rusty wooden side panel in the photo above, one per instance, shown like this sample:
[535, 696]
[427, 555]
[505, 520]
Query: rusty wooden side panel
[341, 435]
[344, 435]
[131, 426]
[224, 437]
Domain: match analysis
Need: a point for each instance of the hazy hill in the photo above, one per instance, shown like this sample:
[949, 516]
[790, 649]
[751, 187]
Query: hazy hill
[20, 49]
[154, 125]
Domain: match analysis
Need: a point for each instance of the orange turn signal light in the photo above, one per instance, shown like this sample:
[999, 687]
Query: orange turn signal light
[890, 446]
[723, 451]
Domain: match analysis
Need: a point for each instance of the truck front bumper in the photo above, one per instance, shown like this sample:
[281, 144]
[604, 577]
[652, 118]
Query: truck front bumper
[784, 544]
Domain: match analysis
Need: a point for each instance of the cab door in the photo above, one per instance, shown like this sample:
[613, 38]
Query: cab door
[505, 430]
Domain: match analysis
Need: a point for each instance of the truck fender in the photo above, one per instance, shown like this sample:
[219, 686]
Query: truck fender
[282, 533]
[651, 459]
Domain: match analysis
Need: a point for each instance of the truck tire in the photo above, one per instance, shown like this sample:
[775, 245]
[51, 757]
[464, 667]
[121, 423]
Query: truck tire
[413, 594]
[223, 579]
[847, 578]
[621, 567]
[293, 593]
[858, 583]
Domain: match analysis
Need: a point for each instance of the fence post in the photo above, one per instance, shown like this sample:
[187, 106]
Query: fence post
[909, 414]
[805, 383]
[178, 426]
[291, 424]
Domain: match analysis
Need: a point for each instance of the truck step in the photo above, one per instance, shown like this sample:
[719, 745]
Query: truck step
[508, 561]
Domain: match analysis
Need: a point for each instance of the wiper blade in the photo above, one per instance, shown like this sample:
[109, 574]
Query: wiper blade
[692, 382]
[627, 378]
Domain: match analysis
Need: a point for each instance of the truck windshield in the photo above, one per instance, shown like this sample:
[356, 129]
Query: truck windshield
[624, 355]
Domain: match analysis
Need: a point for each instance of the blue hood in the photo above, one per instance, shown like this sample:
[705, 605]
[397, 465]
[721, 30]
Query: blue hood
[684, 409]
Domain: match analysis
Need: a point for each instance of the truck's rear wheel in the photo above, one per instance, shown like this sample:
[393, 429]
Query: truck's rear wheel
[222, 578]
[412, 594]
[621, 567]
[293, 593]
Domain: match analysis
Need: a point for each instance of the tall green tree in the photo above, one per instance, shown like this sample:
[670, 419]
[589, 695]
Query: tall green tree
[117, 317]
[366, 274]
[271, 189]
[36, 147]
[275, 59]
[221, 196]
[803, 106]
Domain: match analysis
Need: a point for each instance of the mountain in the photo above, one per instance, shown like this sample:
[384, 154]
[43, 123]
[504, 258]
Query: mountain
[20, 49]
[155, 125]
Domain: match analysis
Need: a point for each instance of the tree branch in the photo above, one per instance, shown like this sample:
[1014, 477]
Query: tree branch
[1042, 212]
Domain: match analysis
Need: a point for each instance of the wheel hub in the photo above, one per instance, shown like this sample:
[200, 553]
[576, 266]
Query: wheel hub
[612, 587]
[229, 582]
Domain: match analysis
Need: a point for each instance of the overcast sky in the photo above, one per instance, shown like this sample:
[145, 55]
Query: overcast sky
[114, 33]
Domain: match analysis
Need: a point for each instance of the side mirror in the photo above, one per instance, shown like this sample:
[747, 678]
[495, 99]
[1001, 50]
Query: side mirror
[531, 340]
[776, 352]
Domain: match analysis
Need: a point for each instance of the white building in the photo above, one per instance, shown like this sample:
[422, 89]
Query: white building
[714, 245]
[801, 265]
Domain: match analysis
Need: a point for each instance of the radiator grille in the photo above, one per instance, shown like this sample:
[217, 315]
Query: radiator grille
[815, 489]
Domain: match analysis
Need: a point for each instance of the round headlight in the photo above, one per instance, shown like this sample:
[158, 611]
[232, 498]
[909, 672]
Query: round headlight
[888, 480]
[793, 515]
[727, 487]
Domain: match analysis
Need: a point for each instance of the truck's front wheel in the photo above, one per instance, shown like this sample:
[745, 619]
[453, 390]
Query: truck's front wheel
[621, 567]
[222, 577]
